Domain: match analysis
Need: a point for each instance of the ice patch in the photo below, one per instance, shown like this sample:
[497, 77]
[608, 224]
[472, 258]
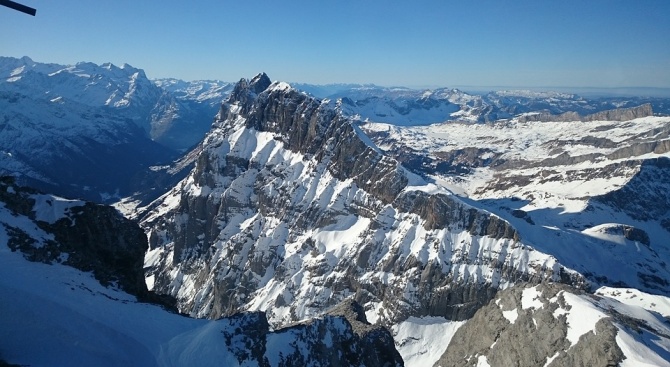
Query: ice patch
[582, 316]
[421, 341]
[482, 361]
[531, 298]
[50, 209]
[511, 315]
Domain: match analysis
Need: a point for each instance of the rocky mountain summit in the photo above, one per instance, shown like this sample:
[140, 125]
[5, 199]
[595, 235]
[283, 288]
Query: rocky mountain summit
[290, 209]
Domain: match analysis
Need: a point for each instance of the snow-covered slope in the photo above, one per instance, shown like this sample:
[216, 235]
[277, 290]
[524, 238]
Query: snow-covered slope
[57, 315]
[60, 316]
[593, 194]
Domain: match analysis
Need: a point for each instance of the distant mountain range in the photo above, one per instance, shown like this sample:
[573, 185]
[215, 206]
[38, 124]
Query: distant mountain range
[92, 131]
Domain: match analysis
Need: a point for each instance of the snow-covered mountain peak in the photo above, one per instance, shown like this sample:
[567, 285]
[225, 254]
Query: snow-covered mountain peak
[259, 83]
[319, 214]
[129, 68]
[85, 82]
[108, 66]
[12, 69]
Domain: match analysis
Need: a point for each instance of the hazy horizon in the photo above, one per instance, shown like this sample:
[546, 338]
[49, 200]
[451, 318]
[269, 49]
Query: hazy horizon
[525, 44]
[654, 92]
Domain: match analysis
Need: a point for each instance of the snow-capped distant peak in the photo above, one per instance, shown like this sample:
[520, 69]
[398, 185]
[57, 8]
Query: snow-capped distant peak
[533, 94]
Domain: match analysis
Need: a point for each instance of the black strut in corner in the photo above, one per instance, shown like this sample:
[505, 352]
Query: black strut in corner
[20, 7]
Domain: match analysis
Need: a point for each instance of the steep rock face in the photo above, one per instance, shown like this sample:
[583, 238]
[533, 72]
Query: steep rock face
[554, 325]
[622, 114]
[291, 209]
[83, 235]
[646, 195]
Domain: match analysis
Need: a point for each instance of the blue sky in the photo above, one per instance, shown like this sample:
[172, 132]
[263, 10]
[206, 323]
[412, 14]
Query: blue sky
[521, 43]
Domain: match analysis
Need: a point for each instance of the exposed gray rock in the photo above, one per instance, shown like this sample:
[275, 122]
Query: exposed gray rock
[621, 114]
[305, 125]
[536, 334]
[442, 211]
[342, 337]
[595, 348]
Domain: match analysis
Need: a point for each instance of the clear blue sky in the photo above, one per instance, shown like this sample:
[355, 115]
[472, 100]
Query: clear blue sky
[574, 43]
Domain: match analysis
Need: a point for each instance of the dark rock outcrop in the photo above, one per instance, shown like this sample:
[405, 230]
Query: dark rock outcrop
[88, 237]
[341, 337]
[646, 195]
